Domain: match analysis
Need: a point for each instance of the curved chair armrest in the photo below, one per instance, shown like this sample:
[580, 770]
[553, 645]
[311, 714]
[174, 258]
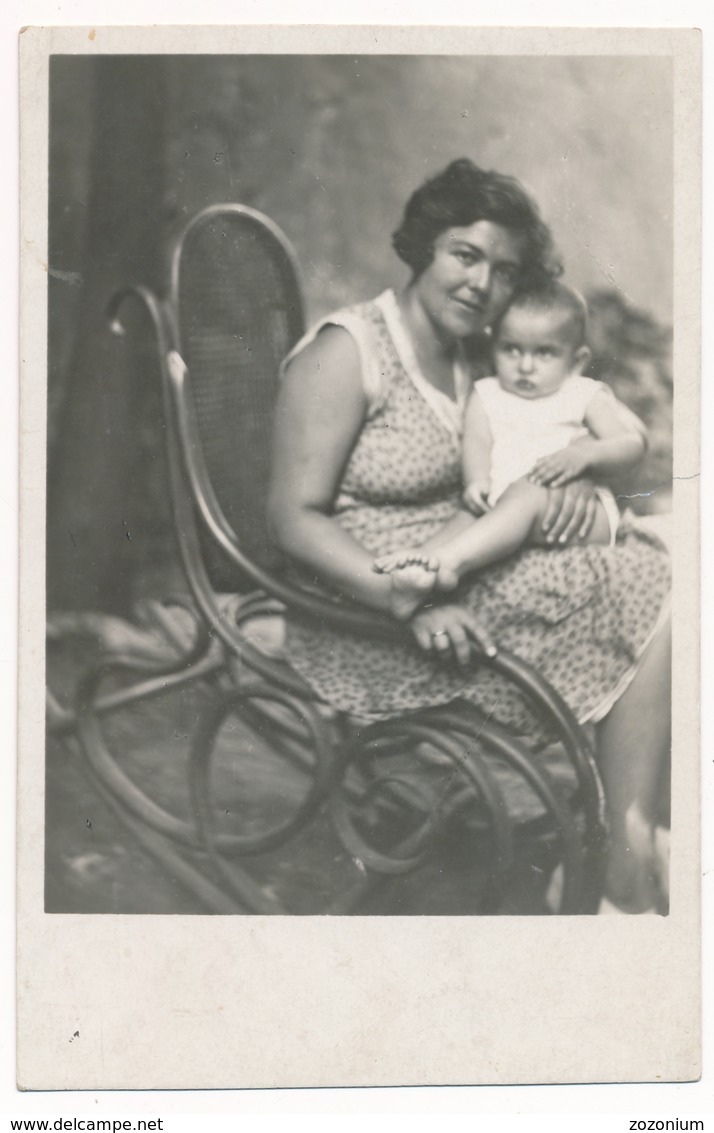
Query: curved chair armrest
[194, 466]
[153, 305]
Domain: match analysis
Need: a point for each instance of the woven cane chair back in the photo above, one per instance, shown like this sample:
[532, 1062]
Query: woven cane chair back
[237, 299]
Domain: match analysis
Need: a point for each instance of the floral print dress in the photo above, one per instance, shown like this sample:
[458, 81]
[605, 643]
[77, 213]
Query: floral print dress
[582, 616]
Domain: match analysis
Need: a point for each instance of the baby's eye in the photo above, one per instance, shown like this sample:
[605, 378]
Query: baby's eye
[545, 352]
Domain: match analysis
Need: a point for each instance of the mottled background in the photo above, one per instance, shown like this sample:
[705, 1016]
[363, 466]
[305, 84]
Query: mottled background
[330, 147]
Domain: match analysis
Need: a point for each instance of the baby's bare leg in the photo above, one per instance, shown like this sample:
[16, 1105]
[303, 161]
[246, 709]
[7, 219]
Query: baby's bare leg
[514, 522]
[494, 536]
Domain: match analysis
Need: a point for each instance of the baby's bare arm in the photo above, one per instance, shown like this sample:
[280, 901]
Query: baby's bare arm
[618, 441]
[619, 437]
[477, 442]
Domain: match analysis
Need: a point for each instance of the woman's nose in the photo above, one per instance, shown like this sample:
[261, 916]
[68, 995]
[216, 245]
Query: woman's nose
[480, 277]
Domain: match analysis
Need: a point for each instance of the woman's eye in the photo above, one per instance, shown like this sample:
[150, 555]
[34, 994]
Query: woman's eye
[465, 257]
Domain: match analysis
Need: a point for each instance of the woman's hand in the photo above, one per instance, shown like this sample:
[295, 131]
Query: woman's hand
[570, 512]
[451, 631]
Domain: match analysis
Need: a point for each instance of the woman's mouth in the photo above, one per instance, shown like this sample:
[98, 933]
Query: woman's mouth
[469, 305]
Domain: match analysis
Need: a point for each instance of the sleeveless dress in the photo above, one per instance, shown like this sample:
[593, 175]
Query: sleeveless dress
[582, 616]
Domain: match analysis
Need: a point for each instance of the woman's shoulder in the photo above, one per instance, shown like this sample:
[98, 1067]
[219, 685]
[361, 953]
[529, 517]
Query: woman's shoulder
[349, 335]
[326, 348]
[366, 321]
[365, 311]
[355, 318]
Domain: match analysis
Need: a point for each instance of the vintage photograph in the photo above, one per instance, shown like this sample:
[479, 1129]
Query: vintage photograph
[359, 484]
[360, 410]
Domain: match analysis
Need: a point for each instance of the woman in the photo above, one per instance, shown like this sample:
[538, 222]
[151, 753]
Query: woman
[367, 460]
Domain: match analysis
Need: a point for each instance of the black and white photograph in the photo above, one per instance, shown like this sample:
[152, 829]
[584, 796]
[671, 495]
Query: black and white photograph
[363, 499]
[358, 572]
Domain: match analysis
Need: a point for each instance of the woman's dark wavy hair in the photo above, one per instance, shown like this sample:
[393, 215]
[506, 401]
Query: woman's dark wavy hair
[463, 194]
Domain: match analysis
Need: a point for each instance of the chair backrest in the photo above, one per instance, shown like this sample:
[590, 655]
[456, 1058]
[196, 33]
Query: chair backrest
[236, 295]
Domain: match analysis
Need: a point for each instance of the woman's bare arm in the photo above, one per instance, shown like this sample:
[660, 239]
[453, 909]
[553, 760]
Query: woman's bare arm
[320, 411]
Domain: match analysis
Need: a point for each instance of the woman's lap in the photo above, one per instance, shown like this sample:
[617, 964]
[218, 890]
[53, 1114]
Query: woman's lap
[581, 616]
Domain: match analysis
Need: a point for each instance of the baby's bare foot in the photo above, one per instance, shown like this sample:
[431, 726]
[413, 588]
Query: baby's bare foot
[410, 586]
[447, 577]
[399, 560]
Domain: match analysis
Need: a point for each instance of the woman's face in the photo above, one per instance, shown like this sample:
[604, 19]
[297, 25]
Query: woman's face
[471, 278]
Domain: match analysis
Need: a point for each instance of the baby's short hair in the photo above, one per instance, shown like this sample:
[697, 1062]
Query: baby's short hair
[552, 295]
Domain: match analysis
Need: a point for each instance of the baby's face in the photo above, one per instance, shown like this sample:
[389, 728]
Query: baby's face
[535, 351]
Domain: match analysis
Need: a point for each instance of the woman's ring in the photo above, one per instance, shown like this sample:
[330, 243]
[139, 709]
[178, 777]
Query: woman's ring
[440, 633]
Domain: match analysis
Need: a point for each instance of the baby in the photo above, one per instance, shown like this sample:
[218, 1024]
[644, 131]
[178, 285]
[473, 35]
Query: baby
[538, 424]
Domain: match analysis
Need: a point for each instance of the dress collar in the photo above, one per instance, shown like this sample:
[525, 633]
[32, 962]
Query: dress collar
[446, 409]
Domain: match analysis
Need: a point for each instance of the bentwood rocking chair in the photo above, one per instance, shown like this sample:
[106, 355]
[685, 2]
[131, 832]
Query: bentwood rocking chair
[391, 793]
